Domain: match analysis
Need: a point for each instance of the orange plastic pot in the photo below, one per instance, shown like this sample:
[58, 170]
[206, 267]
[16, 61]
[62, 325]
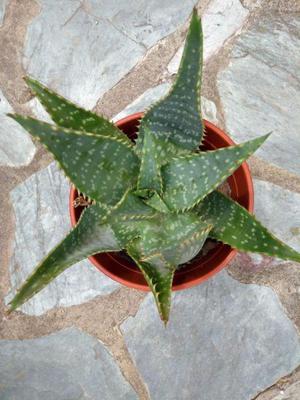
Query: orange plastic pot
[122, 269]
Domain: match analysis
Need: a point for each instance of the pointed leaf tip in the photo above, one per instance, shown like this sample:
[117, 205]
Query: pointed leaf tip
[177, 117]
[79, 152]
[238, 228]
[90, 236]
[187, 180]
[159, 275]
[69, 115]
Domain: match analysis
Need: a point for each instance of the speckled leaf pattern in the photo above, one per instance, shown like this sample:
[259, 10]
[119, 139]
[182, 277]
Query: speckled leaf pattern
[177, 117]
[69, 115]
[159, 275]
[168, 234]
[131, 208]
[124, 219]
[187, 180]
[90, 236]
[101, 167]
[234, 225]
[150, 174]
[155, 201]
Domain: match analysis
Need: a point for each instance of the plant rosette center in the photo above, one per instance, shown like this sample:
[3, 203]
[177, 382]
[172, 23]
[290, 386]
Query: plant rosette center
[214, 255]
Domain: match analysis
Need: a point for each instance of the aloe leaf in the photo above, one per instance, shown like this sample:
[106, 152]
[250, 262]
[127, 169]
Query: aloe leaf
[69, 115]
[159, 275]
[126, 216]
[152, 199]
[155, 201]
[177, 117]
[187, 180]
[189, 247]
[101, 167]
[235, 226]
[90, 236]
[170, 234]
[131, 208]
[150, 175]
[153, 155]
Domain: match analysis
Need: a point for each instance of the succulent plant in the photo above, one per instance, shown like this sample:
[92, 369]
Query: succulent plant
[158, 199]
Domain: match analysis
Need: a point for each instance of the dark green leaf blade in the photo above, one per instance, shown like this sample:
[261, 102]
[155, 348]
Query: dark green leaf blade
[69, 115]
[169, 235]
[159, 276]
[234, 225]
[89, 237]
[101, 167]
[150, 174]
[177, 117]
[126, 216]
[187, 180]
[156, 202]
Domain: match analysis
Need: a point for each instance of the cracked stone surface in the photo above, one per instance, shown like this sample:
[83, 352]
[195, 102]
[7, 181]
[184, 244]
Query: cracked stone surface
[143, 21]
[97, 43]
[2, 10]
[62, 366]
[236, 337]
[16, 147]
[42, 220]
[209, 110]
[261, 85]
[38, 110]
[225, 340]
[221, 20]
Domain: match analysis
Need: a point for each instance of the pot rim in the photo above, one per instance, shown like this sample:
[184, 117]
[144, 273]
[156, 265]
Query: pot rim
[188, 276]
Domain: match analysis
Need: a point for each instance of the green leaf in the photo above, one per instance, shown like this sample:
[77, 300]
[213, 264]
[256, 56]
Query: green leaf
[101, 167]
[233, 225]
[131, 208]
[169, 235]
[165, 241]
[156, 202]
[152, 199]
[150, 175]
[125, 217]
[69, 115]
[187, 180]
[177, 117]
[159, 276]
[90, 236]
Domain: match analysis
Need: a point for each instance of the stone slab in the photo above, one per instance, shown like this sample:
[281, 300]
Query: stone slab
[225, 340]
[82, 49]
[67, 365]
[38, 110]
[16, 146]
[259, 89]
[42, 219]
[145, 22]
[221, 20]
[3, 4]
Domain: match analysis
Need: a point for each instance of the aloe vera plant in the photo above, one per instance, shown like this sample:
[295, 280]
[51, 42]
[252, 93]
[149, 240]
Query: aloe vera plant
[158, 199]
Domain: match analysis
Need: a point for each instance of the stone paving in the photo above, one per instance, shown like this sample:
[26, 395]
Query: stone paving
[235, 337]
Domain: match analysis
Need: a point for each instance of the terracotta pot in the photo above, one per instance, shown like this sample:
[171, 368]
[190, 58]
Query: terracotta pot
[121, 268]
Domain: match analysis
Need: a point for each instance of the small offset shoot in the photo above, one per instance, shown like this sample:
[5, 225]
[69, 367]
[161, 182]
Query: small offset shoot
[158, 200]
